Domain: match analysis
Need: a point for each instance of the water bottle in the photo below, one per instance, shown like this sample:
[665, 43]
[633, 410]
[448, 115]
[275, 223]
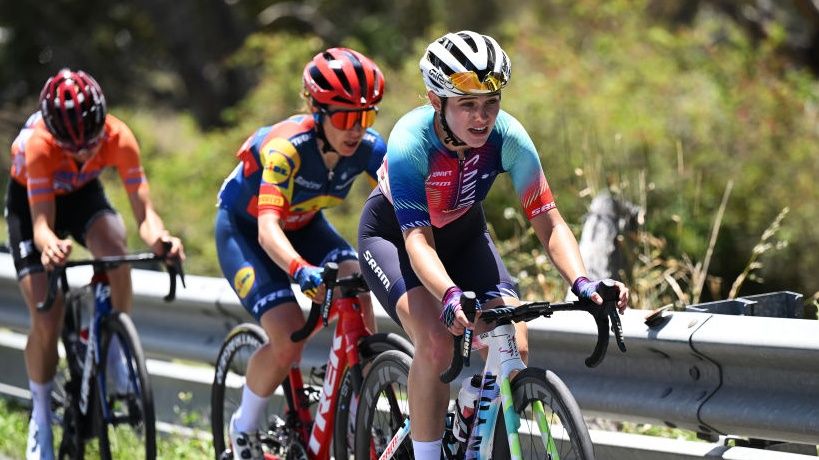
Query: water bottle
[465, 407]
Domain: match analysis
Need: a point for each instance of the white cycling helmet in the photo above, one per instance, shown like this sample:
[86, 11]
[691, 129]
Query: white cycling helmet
[464, 63]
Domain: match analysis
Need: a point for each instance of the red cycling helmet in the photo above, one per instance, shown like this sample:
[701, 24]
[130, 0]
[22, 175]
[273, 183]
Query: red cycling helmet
[73, 109]
[341, 76]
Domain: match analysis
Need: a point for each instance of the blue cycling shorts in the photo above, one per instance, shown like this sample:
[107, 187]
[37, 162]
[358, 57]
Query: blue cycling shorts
[256, 279]
[464, 246]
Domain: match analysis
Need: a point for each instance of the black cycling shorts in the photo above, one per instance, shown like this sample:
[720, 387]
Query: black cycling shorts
[464, 246]
[74, 214]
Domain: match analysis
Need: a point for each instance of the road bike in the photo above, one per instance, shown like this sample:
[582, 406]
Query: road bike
[519, 412]
[89, 400]
[291, 430]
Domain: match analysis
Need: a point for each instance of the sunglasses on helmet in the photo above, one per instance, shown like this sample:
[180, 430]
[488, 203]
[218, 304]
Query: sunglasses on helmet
[469, 83]
[348, 119]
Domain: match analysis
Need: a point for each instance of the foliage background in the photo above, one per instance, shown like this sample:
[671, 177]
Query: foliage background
[663, 103]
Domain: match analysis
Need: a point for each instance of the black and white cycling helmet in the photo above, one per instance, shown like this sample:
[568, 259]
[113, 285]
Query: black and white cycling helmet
[464, 63]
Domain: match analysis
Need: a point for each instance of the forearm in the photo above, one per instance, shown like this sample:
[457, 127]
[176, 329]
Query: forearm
[560, 244]
[152, 229]
[275, 243]
[565, 253]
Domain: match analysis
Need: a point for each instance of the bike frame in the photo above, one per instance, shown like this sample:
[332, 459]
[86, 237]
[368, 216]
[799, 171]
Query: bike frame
[102, 308]
[349, 330]
[502, 362]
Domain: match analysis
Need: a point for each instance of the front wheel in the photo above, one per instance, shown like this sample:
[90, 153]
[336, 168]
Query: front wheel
[229, 378]
[368, 348]
[551, 424]
[383, 408]
[126, 404]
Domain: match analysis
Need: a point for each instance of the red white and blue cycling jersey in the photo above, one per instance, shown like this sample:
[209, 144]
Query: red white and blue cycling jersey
[281, 171]
[428, 184]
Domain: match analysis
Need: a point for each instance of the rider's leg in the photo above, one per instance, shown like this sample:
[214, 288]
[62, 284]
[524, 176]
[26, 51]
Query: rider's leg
[270, 364]
[428, 396]
[106, 237]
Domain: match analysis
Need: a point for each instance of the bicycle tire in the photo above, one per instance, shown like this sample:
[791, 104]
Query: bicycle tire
[131, 417]
[346, 407]
[231, 361]
[384, 386]
[562, 414]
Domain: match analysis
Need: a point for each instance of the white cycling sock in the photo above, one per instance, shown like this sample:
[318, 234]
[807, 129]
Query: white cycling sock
[41, 402]
[248, 414]
[427, 450]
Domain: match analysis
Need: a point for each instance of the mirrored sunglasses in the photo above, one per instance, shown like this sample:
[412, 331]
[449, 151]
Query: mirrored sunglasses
[348, 119]
[468, 82]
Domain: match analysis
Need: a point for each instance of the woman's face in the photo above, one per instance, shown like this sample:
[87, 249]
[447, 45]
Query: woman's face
[345, 141]
[471, 118]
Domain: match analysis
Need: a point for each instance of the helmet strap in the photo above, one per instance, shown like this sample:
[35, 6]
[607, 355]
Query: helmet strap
[318, 119]
[450, 137]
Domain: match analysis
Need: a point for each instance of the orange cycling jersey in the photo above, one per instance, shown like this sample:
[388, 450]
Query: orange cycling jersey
[45, 169]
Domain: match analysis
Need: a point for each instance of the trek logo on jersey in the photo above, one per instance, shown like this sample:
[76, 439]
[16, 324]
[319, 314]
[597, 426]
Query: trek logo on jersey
[243, 281]
[277, 167]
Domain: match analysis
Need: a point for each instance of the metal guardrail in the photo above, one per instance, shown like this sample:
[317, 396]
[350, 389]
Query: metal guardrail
[716, 374]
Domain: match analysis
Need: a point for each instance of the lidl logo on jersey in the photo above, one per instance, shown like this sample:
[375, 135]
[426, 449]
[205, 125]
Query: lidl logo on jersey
[277, 167]
[243, 281]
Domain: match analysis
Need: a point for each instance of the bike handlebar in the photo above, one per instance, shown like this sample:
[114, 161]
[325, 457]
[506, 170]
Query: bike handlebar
[349, 285]
[104, 263]
[605, 317]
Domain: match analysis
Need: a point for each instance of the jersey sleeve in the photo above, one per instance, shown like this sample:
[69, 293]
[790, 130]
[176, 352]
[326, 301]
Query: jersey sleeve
[280, 162]
[126, 159]
[407, 168]
[520, 158]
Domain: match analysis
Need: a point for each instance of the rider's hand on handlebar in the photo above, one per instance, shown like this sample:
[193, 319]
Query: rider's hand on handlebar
[55, 253]
[452, 314]
[585, 288]
[308, 277]
[176, 251]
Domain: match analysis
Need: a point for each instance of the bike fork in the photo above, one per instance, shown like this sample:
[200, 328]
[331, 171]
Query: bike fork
[396, 440]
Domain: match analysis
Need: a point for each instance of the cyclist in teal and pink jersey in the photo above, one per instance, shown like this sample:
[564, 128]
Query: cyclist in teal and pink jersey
[423, 236]
[270, 228]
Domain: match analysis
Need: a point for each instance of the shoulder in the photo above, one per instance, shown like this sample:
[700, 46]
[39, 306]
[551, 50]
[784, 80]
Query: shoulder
[508, 125]
[412, 130]
[35, 140]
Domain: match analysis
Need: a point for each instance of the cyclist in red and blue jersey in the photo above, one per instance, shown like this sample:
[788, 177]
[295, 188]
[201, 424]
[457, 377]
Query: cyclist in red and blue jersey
[423, 235]
[270, 227]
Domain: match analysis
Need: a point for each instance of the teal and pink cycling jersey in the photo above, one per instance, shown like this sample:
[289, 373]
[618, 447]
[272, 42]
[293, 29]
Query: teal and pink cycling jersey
[429, 185]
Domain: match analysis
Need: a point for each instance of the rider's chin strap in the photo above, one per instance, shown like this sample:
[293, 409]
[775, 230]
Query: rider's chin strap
[325, 144]
[450, 137]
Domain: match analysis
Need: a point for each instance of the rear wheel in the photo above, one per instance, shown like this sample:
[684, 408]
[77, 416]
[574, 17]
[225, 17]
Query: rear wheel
[551, 424]
[383, 408]
[126, 405]
[368, 349]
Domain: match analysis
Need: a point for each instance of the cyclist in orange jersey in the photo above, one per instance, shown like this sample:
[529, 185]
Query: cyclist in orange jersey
[55, 193]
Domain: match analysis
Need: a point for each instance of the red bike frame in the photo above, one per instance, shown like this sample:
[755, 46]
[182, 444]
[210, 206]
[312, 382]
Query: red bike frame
[349, 330]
